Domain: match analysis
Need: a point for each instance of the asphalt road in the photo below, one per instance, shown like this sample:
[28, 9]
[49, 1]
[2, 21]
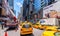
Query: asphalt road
[9, 33]
[36, 32]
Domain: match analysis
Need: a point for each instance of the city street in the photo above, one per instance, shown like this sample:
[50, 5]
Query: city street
[36, 32]
[22, 17]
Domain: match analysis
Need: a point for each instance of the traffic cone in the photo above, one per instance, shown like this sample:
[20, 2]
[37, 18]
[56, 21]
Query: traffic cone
[5, 34]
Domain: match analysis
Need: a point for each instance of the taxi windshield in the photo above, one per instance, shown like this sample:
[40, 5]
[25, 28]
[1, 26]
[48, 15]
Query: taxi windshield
[26, 26]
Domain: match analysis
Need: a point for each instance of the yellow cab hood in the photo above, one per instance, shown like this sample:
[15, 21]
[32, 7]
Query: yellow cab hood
[48, 33]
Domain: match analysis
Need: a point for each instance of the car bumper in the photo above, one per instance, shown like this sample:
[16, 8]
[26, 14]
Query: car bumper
[26, 32]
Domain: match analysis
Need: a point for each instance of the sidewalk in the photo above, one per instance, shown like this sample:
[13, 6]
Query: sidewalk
[2, 31]
[10, 33]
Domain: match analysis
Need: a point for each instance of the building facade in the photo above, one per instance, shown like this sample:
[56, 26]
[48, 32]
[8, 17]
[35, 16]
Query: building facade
[0, 7]
[2, 10]
[50, 1]
[41, 3]
[57, 0]
[35, 6]
[11, 3]
[27, 7]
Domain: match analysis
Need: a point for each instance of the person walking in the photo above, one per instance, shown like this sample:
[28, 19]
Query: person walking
[35, 18]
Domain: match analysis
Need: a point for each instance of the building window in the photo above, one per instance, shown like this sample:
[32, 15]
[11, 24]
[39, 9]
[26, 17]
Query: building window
[10, 3]
[0, 1]
[42, 5]
[7, 0]
[31, 0]
[0, 11]
[52, 0]
[49, 3]
[27, 5]
[41, 0]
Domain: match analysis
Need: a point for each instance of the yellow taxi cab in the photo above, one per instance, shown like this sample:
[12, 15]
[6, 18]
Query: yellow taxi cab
[29, 22]
[49, 23]
[42, 27]
[39, 26]
[53, 28]
[21, 22]
[36, 25]
[26, 28]
[51, 33]
[48, 33]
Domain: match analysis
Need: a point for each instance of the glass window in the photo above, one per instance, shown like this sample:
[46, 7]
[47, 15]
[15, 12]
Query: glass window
[26, 26]
[0, 11]
[0, 1]
[53, 0]
[41, 0]
[10, 3]
[42, 5]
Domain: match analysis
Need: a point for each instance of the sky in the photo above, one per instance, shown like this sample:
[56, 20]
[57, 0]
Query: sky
[17, 5]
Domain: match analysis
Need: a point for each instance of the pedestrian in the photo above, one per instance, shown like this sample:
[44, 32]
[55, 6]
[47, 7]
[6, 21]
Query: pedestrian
[35, 18]
[47, 15]
[17, 25]
[13, 25]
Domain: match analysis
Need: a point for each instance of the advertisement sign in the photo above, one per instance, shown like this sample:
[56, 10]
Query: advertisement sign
[55, 7]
